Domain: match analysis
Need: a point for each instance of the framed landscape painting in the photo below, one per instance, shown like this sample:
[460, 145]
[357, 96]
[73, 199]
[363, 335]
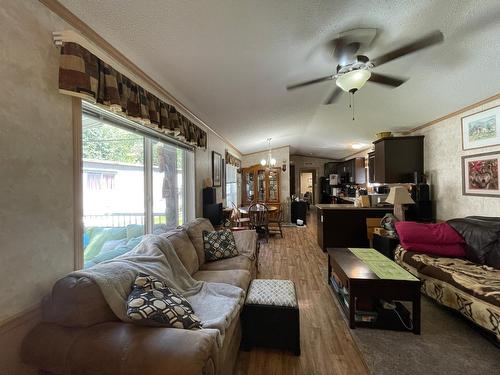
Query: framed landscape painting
[480, 174]
[481, 129]
[216, 169]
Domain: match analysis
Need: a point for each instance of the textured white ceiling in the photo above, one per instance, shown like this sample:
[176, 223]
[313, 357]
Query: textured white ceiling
[230, 60]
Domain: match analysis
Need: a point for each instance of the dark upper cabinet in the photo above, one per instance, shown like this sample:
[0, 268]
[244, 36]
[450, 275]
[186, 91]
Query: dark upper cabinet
[371, 167]
[331, 168]
[352, 171]
[398, 158]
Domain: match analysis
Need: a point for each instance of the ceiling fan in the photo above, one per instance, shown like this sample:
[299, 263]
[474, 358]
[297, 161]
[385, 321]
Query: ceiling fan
[354, 71]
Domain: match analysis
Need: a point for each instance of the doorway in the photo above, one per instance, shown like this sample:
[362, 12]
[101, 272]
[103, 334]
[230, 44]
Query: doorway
[307, 184]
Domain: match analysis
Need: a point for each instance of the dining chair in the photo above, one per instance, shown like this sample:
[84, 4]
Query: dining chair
[237, 219]
[258, 214]
[276, 220]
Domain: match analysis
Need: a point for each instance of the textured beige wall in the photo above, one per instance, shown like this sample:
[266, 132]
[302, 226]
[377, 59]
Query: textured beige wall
[204, 166]
[442, 162]
[36, 173]
[36, 153]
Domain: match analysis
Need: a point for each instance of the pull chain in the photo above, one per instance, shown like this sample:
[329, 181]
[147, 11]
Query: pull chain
[352, 106]
[351, 103]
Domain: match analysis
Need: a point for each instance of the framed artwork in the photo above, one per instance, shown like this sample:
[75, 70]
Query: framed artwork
[481, 129]
[480, 174]
[216, 169]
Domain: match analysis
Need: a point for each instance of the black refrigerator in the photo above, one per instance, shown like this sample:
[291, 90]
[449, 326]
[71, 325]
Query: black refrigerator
[325, 190]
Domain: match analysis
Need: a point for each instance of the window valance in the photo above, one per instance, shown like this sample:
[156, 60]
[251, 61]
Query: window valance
[84, 75]
[232, 160]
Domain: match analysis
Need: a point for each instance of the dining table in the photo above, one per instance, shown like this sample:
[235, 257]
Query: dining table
[244, 209]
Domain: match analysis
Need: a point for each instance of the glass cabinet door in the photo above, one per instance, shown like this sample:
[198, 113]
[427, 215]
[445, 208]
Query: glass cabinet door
[261, 185]
[273, 186]
[249, 186]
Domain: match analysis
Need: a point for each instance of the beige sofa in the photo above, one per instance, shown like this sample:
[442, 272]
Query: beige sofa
[80, 334]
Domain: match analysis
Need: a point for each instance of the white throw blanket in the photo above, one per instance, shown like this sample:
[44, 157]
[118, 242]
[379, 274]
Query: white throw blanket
[216, 304]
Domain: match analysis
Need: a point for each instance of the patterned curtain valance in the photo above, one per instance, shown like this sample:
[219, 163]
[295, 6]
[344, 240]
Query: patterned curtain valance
[232, 160]
[84, 75]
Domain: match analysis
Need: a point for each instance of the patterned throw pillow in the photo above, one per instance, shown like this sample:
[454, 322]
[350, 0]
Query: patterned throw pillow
[152, 302]
[219, 245]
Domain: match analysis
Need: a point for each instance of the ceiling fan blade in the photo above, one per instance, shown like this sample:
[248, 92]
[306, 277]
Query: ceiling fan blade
[333, 96]
[386, 80]
[311, 82]
[429, 40]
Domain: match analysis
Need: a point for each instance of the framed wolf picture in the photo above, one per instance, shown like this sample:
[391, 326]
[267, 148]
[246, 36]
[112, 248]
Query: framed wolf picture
[481, 129]
[480, 174]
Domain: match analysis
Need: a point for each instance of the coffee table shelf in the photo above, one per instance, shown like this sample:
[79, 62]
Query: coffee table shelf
[360, 283]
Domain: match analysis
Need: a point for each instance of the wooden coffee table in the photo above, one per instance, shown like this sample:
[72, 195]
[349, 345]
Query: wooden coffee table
[357, 284]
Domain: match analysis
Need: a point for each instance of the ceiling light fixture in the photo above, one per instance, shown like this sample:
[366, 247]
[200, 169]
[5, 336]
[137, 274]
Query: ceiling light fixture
[352, 81]
[270, 161]
[357, 146]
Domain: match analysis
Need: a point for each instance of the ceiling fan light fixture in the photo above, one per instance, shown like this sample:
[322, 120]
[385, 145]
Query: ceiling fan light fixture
[353, 80]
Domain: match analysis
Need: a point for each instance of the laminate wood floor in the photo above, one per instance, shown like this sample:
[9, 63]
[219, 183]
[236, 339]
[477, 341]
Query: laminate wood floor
[326, 343]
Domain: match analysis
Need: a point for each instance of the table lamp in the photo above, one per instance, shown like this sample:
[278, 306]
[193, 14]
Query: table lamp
[398, 196]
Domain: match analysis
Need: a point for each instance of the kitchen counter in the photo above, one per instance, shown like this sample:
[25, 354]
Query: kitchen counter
[348, 199]
[348, 206]
[343, 225]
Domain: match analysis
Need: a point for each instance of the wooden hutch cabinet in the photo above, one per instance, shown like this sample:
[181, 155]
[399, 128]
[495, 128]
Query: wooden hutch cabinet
[260, 184]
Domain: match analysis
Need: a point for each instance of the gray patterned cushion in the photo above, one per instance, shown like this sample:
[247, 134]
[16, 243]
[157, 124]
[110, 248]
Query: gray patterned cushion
[151, 302]
[272, 292]
[219, 245]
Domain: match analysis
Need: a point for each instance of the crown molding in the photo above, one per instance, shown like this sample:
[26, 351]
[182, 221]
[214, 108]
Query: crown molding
[86, 31]
[456, 113]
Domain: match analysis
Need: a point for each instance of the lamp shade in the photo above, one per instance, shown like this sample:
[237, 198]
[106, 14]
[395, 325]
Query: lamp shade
[353, 80]
[399, 195]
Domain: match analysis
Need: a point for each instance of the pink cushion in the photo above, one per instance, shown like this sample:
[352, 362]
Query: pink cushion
[437, 239]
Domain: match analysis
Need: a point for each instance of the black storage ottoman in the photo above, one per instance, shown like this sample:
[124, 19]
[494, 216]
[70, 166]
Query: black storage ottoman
[270, 316]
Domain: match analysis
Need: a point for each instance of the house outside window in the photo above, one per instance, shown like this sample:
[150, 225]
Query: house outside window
[133, 184]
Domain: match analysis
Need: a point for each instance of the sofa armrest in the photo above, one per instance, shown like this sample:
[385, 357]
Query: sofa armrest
[119, 348]
[246, 242]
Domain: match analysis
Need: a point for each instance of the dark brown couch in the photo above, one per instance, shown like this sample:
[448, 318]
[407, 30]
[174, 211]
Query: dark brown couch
[81, 335]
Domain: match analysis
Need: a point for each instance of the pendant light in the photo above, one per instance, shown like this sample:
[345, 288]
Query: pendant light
[270, 161]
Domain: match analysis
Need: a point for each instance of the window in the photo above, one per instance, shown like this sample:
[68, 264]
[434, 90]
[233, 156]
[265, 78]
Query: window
[231, 185]
[133, 183]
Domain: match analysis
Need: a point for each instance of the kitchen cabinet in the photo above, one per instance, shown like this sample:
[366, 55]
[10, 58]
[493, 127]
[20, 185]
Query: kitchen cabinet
[398, 158]
[371, 167]
[331, 168]
[352, 171]
[261, 184]
[340, 225]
